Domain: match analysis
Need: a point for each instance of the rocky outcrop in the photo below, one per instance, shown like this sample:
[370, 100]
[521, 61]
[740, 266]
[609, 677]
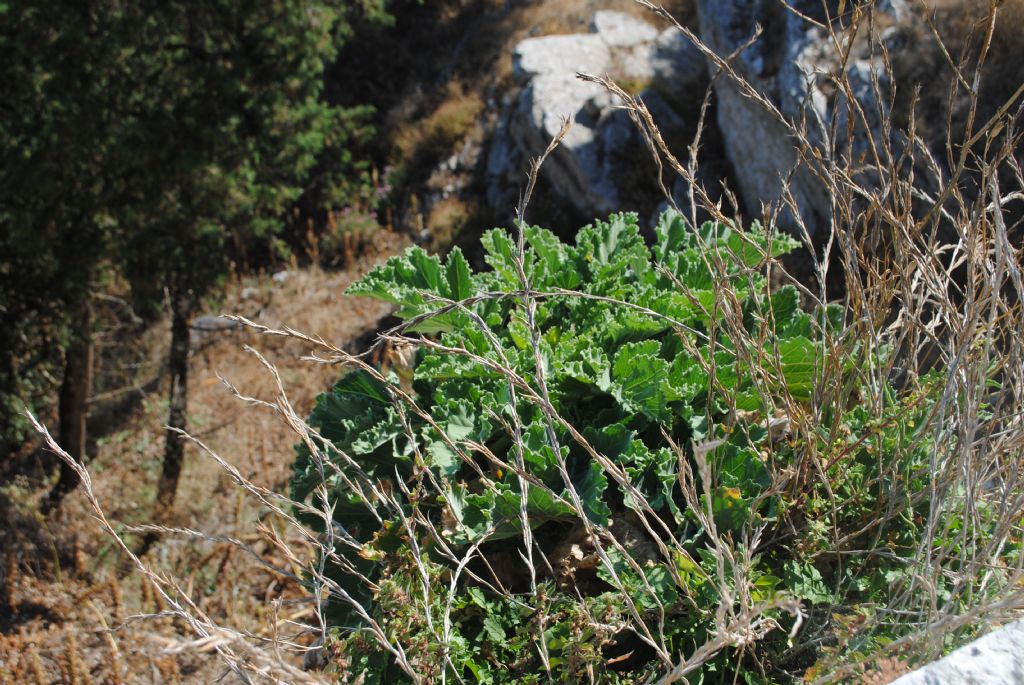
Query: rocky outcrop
[789, 66]
[994, 659]
[593, 168]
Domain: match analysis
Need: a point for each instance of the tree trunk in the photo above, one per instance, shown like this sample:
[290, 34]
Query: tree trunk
[174, 448]
[76, 386]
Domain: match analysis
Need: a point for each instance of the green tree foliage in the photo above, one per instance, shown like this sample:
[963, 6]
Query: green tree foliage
[58, 132]
[232, 124]
[166, 140]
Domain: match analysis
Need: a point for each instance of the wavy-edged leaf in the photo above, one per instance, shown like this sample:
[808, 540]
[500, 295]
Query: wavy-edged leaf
[554, 265]
[458, 275]
[459, 421]
[591, 485]
[362, 384]
[412, 279]
[655, 473]
[638, 379]
[799, 357]
[401, 277]
[611, 253]
[499, 253]
[672, 235]
[591, 367]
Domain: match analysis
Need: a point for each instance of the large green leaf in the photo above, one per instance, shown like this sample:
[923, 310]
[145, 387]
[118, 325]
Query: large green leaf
[590, 367]
[655, 473]
[671, 235]
[799, 358]
[639, 379]
[460, 280]
[591, 485]
[413, 280]
[402, 279]
[459, 421]
[554, 266]
[499, 253]
[610, 253]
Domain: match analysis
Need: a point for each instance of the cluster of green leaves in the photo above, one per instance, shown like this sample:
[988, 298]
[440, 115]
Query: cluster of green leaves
[609, 389]
[632, 355]
[160, 141]
[865, 524]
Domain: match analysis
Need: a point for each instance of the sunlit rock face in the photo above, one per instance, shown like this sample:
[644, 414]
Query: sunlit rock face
[783, 80]
[596, 165]
[994, 659]
[792, 67]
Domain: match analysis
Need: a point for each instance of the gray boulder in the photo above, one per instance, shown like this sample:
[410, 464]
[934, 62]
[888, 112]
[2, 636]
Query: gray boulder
[204, 328]
[677, 69]
[994, 659]
[593, 166]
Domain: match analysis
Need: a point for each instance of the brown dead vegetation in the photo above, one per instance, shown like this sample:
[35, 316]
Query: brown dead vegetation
[68, 606]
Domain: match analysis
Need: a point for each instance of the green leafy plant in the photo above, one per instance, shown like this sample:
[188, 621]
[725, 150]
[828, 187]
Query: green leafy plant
[543, 450]
[597, 463]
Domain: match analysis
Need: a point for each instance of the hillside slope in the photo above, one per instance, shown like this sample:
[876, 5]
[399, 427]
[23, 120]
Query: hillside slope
[69, 605]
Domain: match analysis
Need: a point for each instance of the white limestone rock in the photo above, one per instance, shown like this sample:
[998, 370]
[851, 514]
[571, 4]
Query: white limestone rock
[789, 66]
[620, 30]
[561, 55]
[602, 146]
[995, 659]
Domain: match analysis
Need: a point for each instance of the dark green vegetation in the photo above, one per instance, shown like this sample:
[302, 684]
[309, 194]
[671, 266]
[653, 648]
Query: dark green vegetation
[161, 144]
[606, 461]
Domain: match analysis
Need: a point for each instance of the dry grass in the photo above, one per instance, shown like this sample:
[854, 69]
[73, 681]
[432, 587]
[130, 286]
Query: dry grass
[941, 34]
[69, 605]
[447, 219]
[436, 134]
